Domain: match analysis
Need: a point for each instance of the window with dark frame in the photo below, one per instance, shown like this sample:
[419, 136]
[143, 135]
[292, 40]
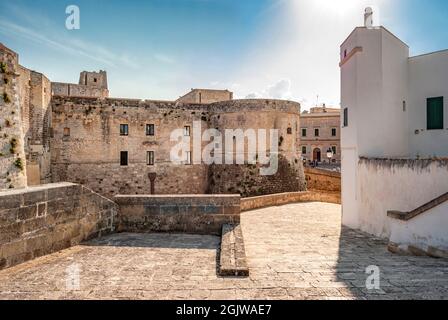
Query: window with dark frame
[150, 158]
[304, 132]
[345, 117]
[124, 130]
[334, 149]
[333, 132]
[123, 158]
[316, 132]
[150, 130]
[303, 149]
[434, 113]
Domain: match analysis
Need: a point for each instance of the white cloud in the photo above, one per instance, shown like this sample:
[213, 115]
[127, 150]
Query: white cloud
[279, 90]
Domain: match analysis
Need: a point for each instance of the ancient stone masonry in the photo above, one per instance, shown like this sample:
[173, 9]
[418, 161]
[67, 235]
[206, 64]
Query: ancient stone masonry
[87, 146]
[40, 220]
[12, 152]
[55, 132]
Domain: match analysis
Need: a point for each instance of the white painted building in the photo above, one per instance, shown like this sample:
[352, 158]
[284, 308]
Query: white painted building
[395, 123]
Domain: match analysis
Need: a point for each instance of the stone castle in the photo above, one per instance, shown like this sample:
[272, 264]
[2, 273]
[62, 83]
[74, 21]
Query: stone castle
[53, 132]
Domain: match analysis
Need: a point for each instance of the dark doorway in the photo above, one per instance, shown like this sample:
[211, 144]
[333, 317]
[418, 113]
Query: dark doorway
[317, 155]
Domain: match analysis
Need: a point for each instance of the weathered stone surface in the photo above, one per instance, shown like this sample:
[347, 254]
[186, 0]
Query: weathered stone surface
[232, 256]
[47, 218]
[323, 180]
[296, 251]
[289, 197]
[203, 214]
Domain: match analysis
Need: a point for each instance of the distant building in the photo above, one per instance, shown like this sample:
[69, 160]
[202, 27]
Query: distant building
[394, 140]
[206, 96]
[319, 133]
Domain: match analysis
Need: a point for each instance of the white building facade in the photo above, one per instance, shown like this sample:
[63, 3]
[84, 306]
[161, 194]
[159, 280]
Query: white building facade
[394, 136]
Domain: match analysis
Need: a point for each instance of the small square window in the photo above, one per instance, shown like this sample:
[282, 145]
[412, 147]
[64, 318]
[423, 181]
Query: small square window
[316, 132]
[124, 129]
[123, 158]
[150, 158]
[150, 130]
[289, 131]
[434, 113]
[333, 132]
[187, 131]
[304, 132]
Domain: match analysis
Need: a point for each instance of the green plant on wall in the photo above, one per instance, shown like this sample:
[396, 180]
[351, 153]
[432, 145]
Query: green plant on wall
[2, 67]
[19, 164]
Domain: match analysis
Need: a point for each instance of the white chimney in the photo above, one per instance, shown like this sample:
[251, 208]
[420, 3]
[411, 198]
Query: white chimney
[368, 18]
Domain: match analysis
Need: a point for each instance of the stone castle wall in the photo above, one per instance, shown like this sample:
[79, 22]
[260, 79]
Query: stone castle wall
[323, 180]
[78, 90]
[86, 146]
[12, 149]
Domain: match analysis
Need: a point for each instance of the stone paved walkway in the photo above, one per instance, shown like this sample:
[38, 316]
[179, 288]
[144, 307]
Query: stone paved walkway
[296, 251]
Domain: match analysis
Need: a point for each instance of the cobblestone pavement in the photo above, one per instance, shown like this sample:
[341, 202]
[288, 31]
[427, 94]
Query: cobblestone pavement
[296, 251]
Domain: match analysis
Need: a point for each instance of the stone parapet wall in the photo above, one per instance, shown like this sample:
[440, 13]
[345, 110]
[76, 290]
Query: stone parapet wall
[40, 220]
[198, 214]
[289, 197]
[323, 180]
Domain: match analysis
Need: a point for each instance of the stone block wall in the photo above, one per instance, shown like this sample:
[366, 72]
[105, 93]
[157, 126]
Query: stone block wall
[280, 199]
[323, 180]
[12, 150]
[86, 146]
[48, 218]
[199, 214]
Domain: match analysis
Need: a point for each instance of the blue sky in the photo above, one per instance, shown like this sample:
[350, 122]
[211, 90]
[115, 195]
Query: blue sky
[160, 49]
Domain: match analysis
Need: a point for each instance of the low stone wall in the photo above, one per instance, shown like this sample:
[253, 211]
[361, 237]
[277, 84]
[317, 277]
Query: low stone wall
[289, 197]
[323, 180]
[48, 218]
[199, 214]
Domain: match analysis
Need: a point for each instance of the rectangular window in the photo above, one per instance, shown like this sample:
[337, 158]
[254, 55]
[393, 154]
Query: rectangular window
[345, 117]
[188, 160]
[150, 158]
[150, 130]
[123, 158]
[333, 132]
[289, 131]
[124, 129]
[434, 113]
[316, 132]
[334, 149]
[304, 150]
[187, 131]
[304, 132]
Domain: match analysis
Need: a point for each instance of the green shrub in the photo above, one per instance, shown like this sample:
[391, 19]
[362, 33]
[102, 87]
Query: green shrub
[19, 164]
